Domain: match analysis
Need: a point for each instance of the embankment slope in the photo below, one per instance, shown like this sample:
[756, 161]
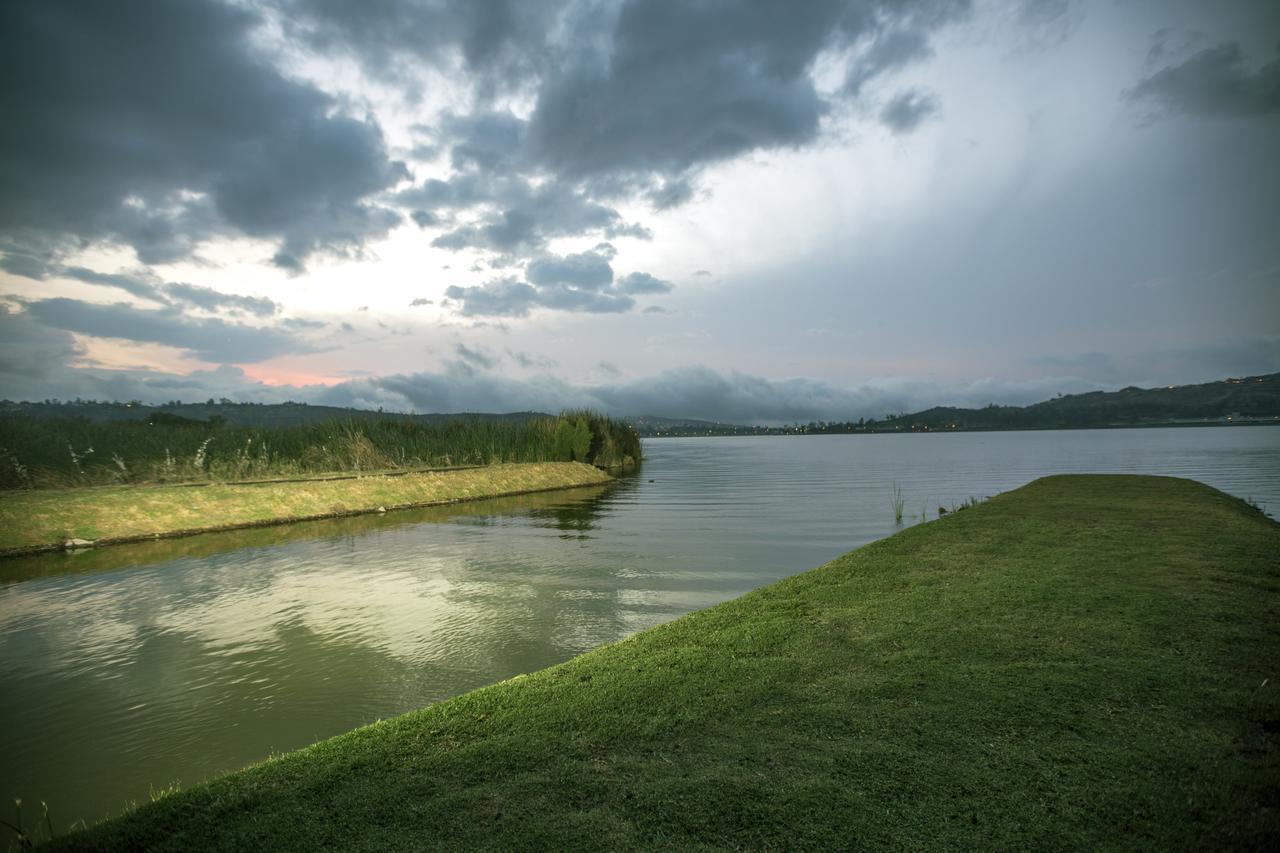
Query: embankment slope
[1085, 663]
[42, 519]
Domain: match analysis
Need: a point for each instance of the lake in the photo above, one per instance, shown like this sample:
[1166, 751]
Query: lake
[129, 669]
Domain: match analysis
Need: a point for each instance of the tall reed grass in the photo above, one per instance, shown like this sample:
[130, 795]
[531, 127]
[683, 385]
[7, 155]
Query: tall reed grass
[52, 453]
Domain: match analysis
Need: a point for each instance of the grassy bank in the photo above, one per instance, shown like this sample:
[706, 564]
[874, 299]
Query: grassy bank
[1085, 663]
[68, 452]
[32, 519]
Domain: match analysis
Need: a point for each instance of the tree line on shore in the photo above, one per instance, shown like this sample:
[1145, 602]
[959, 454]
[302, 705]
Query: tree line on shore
[55, 452]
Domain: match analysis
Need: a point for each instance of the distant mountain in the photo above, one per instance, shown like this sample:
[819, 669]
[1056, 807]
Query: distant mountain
[1250, 400]
[258, 415]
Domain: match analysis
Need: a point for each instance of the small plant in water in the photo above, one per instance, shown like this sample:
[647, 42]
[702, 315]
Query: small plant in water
[27, 840]
[898, 502]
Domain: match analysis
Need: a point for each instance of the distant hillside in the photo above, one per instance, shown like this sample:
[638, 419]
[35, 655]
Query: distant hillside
[1250, 400]
[257, 415]
[652, 425]
[1253, 399]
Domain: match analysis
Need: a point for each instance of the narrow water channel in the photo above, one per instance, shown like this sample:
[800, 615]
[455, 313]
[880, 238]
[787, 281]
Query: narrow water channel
[129, 669]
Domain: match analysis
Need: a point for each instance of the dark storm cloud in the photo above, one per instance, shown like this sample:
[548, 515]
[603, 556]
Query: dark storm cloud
[1214, 83]
[138, 285]
[686, 84]
[209, 339]
[507, 297]
[580, 282]
[23, 264]
[631, 99]
[484, 140]
[588, 270]
[499, 41]
[500, 297]
[895, 49]
[908, 110]
[519, 217]
[214, 300]
[152, 123]
[31, 352]
[146, 286]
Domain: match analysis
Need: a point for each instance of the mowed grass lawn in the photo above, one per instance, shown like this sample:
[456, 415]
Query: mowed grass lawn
[1085, 663]
[46, 517]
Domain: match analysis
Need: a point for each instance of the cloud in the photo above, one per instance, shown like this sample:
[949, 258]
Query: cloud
[209, 339]
[907, 110]
[586, 270]
[500, 42]
[35, 363]
[521, 216]
[692, 392]
[638, 283]
[214, 300]
[895, 49]
[23, 264]
[581, 282]
[1213, 83]
[683, 85]
[484, 140]
[630, 99]
[31, 354]
[147, 286]
[529, 360]
[143, 286]
[420, 301]
[155, 124]
[475, 356]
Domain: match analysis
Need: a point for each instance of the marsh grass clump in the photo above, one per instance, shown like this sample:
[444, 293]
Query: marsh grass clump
[66, 452]
[897, 501]
[24, 839]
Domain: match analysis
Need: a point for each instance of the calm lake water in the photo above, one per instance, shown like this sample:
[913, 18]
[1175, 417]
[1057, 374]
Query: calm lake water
[128, 669]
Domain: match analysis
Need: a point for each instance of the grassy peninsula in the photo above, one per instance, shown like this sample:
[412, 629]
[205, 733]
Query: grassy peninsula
[1085, 663]
[38, 519]
[106, 481]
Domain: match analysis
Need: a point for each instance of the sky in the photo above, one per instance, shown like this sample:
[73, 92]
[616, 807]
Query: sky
[757, 212]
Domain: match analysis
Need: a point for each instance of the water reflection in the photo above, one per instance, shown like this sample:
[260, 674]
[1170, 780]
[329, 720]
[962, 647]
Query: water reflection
[128, 668]
[137, 554]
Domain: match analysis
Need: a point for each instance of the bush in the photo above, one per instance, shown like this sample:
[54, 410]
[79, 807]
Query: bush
[63, 452]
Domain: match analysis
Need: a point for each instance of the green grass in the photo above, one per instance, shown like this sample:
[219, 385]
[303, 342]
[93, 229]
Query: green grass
[46, 517]
[1085, 663]
[69, 452]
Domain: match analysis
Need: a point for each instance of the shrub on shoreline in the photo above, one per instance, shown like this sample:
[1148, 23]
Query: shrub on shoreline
[67, 452]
